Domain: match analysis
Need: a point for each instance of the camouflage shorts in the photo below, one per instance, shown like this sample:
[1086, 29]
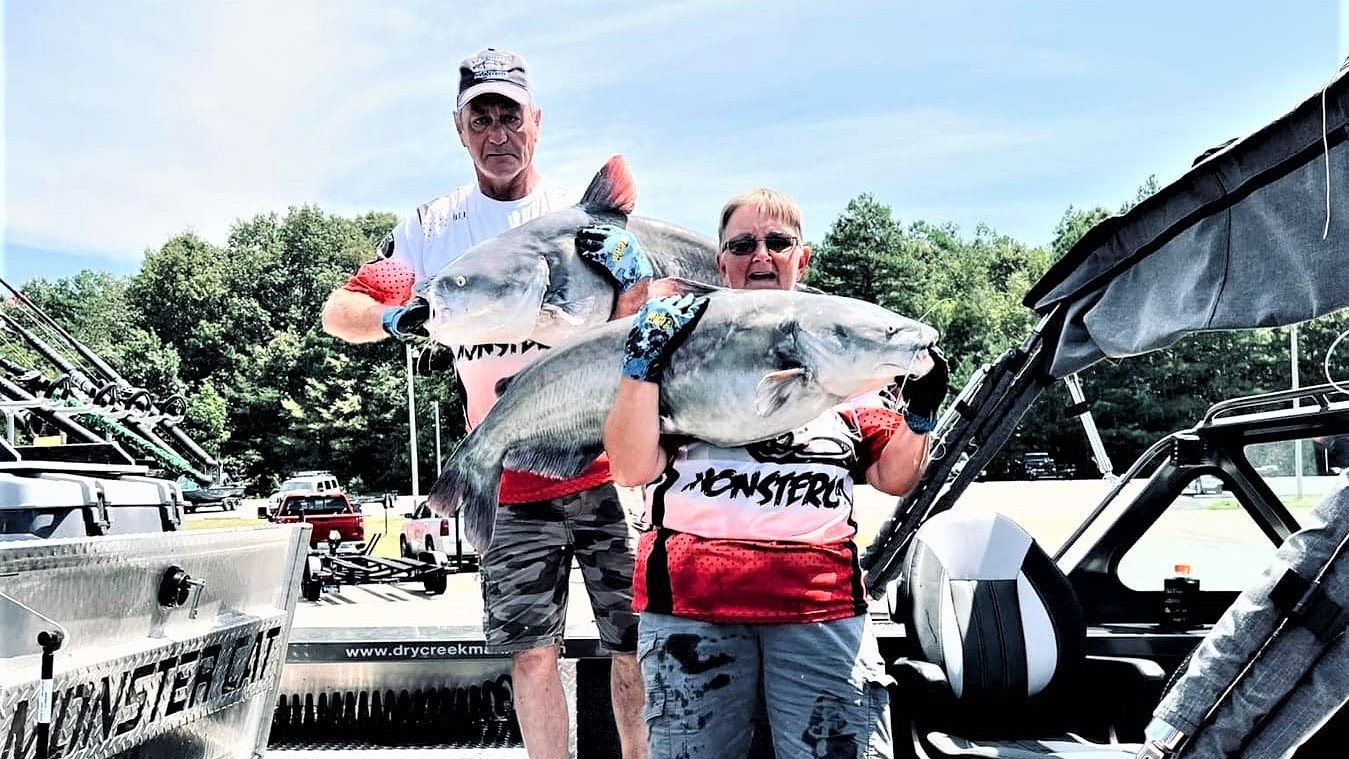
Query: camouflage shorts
[526, 572]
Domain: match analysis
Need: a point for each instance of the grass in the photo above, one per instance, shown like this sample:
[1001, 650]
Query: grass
[388, 545]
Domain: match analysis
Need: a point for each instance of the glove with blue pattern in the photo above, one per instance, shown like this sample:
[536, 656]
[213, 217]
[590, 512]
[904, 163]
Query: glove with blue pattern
[660, 327]
[615, 250]
[404, 323]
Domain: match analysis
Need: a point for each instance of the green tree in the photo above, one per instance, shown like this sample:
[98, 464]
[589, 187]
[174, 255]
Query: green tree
[866, 255]
[245, 318]
[968, 288]
[207, 417]
[92, 307]
[182, 294]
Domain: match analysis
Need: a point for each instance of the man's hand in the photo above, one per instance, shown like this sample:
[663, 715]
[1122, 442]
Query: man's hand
[659, 328]
[404, 323]
[616, 251]
[925, 394]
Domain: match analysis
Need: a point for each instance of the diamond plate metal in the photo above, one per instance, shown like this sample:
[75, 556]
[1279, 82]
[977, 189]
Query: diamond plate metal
[137, 677]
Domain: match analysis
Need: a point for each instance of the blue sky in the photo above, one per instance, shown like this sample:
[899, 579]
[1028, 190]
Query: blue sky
[125, 123]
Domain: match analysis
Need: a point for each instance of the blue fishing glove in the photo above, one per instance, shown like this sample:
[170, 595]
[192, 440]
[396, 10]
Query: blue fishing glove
[617, 251]
[659, 328]
[404, 323]
[925, 394]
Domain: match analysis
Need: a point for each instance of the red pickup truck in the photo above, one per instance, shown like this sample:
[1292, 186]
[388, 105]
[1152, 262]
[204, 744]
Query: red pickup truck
[326, 512]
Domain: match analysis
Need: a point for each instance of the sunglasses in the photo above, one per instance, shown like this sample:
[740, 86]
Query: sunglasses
[746, 245]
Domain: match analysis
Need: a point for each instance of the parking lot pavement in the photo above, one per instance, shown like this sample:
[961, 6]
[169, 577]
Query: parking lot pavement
[249, 509]
[1221, 545]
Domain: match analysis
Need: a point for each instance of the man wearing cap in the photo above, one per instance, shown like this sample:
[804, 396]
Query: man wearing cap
[543, 523]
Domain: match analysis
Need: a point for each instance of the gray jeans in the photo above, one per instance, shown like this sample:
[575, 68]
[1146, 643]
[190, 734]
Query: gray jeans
[823, 682]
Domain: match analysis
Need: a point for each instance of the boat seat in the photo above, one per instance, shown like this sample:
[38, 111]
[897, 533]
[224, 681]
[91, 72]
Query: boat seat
[998, 664]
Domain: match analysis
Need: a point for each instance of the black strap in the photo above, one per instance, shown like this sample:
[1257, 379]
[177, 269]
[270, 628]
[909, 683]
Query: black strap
[1306, 603]
[1077, 409]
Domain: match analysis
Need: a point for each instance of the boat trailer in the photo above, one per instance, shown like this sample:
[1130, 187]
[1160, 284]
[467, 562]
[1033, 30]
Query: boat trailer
[330, 569]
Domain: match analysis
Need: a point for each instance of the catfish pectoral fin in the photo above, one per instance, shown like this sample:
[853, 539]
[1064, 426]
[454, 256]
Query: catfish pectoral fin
[776, 389]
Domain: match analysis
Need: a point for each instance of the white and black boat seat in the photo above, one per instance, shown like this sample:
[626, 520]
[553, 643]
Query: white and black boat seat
[998, 666]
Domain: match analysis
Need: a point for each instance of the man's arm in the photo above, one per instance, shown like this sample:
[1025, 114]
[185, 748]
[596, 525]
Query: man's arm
[353, 317]
[374, 303]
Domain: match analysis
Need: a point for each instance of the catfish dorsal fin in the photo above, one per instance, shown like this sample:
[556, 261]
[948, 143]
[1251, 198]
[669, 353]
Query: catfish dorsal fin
[612, 191]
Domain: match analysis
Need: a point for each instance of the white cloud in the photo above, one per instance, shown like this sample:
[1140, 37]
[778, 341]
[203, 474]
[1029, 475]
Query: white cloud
[129, 123]
[224, 114]
[227, 110]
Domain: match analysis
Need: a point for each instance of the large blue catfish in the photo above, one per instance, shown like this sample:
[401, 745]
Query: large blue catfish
[529, 283]
[757, 364]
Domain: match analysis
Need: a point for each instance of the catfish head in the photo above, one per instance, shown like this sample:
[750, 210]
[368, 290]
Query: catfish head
[529, 282]
[850, 347]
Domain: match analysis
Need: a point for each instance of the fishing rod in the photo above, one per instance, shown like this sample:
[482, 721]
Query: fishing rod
[98, 395]
[981, 419]
[35, 407]
[31, 411]
[138, 395]
[60, 403]
[55, 326]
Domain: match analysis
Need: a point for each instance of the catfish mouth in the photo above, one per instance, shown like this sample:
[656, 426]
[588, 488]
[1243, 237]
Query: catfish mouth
[920, 364]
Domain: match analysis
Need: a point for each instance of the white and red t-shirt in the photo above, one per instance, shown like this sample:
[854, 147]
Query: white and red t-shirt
[763, 533]
[420, 246]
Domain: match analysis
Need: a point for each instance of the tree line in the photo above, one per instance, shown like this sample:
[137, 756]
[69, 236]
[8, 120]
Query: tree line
[235, 329]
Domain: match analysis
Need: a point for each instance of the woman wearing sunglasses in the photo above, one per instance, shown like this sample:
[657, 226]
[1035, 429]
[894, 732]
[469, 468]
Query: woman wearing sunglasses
[747, 574]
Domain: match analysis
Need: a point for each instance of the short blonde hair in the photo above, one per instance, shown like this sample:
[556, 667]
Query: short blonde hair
[770, 203]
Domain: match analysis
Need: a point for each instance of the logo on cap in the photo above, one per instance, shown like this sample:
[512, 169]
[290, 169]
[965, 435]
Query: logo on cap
[490, 65]
[493, 71]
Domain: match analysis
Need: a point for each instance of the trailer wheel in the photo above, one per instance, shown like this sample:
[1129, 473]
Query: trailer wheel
[311, 587]
[435, 585]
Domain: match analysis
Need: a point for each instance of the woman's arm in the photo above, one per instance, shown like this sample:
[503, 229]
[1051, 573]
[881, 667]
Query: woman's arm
[632, 426]
[632, 434]
[901, 462]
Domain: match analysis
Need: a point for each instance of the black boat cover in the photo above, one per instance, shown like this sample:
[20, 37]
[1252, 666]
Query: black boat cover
[1254, 235]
